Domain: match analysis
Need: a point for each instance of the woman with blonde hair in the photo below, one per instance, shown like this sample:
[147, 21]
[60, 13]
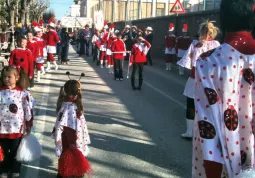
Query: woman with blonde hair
[207, 33]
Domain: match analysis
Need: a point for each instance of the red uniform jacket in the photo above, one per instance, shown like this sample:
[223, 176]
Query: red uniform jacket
[33, 47]
[118, 46]
[40, 45]
[110, 41]
[104, 38]
[21, 57]
[137, 53]
[52, 38]
[183, 43]
[170, 41]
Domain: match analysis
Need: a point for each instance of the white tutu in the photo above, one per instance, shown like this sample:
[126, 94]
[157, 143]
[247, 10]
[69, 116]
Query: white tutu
[29, 149]
[51, 49]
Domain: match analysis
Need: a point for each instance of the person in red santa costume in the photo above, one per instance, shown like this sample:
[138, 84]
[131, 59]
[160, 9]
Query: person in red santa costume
[33, 47]
[138, 58]
[41, 44]
[103, 37]
[109, 55]
[118, 49]
[52, 40]
[182, 45]
[21, 57]
[170, 42]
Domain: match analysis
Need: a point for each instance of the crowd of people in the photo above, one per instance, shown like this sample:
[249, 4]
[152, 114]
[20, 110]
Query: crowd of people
[219, 91]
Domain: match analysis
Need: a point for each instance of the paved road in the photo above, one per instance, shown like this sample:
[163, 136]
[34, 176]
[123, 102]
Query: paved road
[133, 133]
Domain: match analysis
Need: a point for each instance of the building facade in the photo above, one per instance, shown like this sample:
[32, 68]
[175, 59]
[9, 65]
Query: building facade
[126, 10]
[75, 9]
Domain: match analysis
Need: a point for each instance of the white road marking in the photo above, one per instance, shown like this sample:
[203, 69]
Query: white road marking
[163, 93]
[39, 124]
[39, 168]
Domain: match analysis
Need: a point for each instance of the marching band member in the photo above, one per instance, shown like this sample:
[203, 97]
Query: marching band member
[21, 57]
[52, 40]
[138, 58]
[109, 57]
[41, 44]
[103, 37]
[33, 47]
[118, 49]
[182, 45]
[170, 41]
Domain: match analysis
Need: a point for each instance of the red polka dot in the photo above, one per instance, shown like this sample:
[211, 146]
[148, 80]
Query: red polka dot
[224, 68]
[214, 65]
[234, 66]
[205, 118]
[227, 157]
[243, 127]
[237, 142]
[230, 80]
[210, 152]
[250, 65]
[232, 50]
[241, 86]
[221, 79]
[201, 66]
[212, 76]
[243, 96]
[243, 138]
[198, 99]
[247, 148]
[218, 54]
[207, 106]
[230, 58]
[233, 91]
[246, 117]
[241, 57]
[232, 154]
[204, 77]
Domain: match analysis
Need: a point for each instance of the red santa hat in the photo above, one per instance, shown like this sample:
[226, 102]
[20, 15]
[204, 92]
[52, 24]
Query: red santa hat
[41, 23]
[36, 26]
[51, 23]
[171, 27]
[185, 28]
[105, 25]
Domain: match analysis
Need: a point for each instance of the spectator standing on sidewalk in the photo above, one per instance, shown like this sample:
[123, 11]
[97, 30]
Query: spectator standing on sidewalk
[87, 36]
[149, 38]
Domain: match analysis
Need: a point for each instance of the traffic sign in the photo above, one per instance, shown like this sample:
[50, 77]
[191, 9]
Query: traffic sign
[177, 7]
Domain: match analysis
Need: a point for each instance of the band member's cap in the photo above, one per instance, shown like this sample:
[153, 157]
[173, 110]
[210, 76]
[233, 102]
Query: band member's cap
[149, 29]
[171, 27]
[185, 28]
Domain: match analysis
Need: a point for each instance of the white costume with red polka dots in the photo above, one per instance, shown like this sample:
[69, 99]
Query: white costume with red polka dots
[67, 117]
[16, 108]
[224, 119]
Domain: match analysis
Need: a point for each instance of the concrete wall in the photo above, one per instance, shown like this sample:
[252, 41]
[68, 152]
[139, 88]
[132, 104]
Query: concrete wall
[160, 26]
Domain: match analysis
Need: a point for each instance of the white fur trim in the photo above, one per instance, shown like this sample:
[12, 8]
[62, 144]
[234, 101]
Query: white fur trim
[40, 60]
[171, 29]
[108, 52]
[52, 24]
[29, 149]
[51, 49]
[102, 48]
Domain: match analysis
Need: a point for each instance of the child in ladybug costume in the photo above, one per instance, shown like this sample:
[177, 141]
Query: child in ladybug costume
[71, 133]
[16, 105]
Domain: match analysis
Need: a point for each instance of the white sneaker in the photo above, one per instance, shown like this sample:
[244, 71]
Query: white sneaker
[43, 73]
[48, 69]
[56, 67]
[101, 66]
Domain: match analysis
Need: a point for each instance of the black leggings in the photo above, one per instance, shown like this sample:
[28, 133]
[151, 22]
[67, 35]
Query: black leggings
[190, 111]
[10, 164]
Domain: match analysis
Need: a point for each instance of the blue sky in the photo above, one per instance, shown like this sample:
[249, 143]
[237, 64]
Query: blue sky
[60, 7]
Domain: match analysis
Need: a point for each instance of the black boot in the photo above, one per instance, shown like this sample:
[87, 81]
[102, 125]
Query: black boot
[133, 83]
[140, 84]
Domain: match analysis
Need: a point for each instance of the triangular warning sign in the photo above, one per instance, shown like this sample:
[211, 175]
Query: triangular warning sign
[177, 7]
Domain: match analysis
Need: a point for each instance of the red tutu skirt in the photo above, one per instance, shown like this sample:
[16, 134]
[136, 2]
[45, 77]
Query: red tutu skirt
[1, 154]
[73, 163]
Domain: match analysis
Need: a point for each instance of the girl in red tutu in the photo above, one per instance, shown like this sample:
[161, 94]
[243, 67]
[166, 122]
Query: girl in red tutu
[71, 133]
